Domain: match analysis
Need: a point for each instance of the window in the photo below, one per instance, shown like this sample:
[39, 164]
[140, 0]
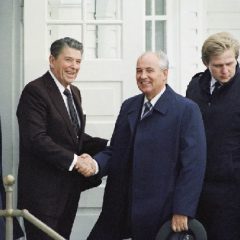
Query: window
[155, 25]
[96, 23]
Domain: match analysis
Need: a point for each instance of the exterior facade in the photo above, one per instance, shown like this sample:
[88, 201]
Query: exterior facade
[114, 34]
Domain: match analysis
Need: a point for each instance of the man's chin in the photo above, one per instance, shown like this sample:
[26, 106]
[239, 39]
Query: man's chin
[224, 80]
[70, 80]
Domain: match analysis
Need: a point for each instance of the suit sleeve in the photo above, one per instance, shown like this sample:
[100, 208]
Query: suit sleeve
[93, 145]
[192, 161]
[32, 113]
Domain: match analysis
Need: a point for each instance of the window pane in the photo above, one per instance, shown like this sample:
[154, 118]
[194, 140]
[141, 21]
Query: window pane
[148, 5]
[65, 10]
[160, 31]
[148, 30]
[160, 7]
[103, 41]
[60, 31]
[103, 9]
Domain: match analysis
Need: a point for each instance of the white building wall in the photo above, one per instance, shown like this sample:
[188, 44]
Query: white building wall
[191, 21]
[198, 19]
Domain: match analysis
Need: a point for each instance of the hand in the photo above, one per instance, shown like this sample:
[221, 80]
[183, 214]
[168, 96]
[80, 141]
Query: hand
[179, 223]
[85, 165]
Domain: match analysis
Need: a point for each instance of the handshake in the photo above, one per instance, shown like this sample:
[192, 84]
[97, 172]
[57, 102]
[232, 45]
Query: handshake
[86, 165]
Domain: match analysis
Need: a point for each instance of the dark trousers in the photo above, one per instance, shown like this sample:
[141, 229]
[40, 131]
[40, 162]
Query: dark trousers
[62, 224]
[219, 211]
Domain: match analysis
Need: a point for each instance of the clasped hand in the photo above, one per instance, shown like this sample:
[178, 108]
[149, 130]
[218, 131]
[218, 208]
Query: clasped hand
[85, 165]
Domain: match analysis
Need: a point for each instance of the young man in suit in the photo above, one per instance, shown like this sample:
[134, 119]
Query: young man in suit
[216, 91]
[52, 138]
[155, 162]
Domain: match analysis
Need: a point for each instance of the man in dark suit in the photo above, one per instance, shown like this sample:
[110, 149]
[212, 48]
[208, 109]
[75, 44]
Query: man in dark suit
[155, 162]
[52, 138]
[217, 91]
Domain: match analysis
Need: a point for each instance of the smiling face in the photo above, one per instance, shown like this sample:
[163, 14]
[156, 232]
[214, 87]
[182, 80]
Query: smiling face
[223, 67]
[150, 77]
[66, 65]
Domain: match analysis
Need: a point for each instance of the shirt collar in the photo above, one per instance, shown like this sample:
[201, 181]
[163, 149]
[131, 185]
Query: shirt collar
[155, 99]
[59, 85]
[213, 81]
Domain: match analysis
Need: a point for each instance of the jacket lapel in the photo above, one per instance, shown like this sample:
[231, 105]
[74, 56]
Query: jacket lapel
[164, 101]
[59, 104]
[134, 111]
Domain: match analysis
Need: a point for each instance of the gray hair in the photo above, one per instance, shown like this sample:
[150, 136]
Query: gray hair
[58, 45]
[161, 56]
[217, 44]
[163, 59]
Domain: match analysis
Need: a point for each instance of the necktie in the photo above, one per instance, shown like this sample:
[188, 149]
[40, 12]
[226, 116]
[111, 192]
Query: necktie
[147, 108]
[72, 110]
[217, 86]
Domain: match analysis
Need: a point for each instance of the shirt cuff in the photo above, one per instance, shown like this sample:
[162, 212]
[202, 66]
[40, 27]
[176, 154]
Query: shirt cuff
[97, 167]
[73, 162]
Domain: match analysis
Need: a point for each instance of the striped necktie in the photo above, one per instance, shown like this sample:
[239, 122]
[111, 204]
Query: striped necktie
[72, 111]
[217, 86]
[147, 108]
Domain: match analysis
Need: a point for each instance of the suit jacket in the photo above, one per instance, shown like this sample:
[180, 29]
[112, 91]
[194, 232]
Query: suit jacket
[160, 160]
[47, 146]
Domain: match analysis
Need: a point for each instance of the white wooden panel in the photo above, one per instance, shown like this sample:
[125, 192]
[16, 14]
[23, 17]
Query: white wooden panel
[107, 9]
[224, 20]
[58, 11]
[101, 128]
[189, 5]
[234, 32]
[101, 98]
[190, 56]
[227, 6]
[101, 103]
[191, 39]
[187, 72]
[190, 18]
[190, 22]
[83, 224]
[94, 198]
[61, 31]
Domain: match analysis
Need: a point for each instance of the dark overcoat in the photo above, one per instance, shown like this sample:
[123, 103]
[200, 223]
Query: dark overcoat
[165, 153]
[220, 198]
[221, 116]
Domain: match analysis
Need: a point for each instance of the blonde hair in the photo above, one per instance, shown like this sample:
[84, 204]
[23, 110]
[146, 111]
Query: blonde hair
[217, 44]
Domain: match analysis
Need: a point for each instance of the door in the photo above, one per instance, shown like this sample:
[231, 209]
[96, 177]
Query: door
[107, 29]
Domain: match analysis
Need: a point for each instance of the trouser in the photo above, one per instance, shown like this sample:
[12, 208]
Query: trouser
[61, 224]
[219, 210]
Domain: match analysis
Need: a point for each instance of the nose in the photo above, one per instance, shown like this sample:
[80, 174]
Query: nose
[75, 65]
[143, 74]
[224, 69]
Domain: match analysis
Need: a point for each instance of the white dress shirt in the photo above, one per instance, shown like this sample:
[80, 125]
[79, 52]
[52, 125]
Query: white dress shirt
[154, 100]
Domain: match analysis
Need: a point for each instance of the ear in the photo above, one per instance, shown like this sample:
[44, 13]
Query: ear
[165, 73]
[51, 61]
